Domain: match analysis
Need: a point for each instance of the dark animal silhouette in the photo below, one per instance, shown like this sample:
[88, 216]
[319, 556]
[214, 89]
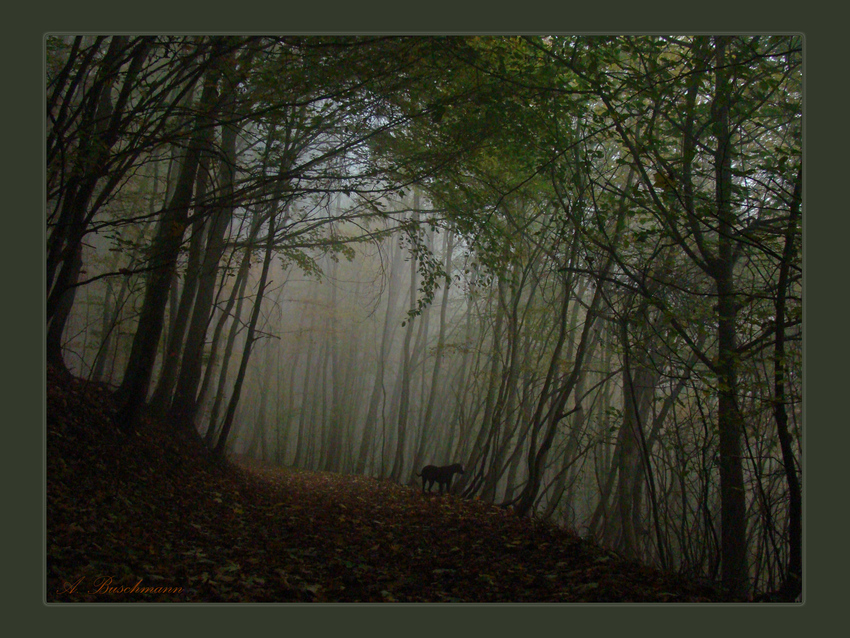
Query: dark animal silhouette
[440, 475]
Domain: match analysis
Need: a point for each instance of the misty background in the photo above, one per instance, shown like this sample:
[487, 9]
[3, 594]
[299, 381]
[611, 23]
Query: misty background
[570, 263]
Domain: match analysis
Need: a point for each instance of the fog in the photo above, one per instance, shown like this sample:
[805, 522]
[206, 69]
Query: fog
[534, 257]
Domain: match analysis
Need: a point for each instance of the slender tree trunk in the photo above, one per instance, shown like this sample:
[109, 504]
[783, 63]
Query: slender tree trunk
[62, 310]
[735, 565]
[640, 381]
[523, 292]
[258, 433]
[406, 374]
[371, 421]
[97, 135]
[184, 404]
[99, 131]
[165, 250]
[237, 298]
[249, 339]
[793, 582]
[333, 452]
[476, 464]
[161, 397]
[301, 447]
[538, 454]
[305, 420]
[109, 313]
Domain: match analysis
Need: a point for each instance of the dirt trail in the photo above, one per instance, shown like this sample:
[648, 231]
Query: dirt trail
[153, 518]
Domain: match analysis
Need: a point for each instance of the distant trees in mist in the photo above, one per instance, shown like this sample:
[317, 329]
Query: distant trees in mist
[572, 264]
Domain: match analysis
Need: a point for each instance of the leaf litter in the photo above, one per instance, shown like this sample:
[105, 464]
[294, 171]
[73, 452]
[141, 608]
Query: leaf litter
[153, 517]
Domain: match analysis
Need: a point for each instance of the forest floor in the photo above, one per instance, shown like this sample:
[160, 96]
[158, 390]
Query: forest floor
[154, 518]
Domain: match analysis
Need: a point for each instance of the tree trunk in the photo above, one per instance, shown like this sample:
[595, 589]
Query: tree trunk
[406, 374]
[301, 446]
[227, 424]
[793, 583]
[370, 423]
[99, 131]
[164, 252]
[236, 298]
[333, 451]
[161, 397]
[735, 565]
[537, 456]
[184, 404]
[471, 482]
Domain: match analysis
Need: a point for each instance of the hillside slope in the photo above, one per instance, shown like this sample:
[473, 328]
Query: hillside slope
[154, 518]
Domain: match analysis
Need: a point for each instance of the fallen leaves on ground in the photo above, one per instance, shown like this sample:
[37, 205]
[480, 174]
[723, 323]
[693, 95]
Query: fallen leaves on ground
[152, 517]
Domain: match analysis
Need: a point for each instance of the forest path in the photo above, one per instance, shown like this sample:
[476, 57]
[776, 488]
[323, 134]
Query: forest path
[152, 517]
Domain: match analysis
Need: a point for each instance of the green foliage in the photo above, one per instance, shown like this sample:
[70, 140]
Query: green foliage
[568, 168]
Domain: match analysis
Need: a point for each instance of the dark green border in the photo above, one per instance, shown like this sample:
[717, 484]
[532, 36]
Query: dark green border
[825, 288]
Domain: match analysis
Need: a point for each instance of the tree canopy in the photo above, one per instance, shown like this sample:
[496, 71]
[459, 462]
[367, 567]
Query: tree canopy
[570, 263]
